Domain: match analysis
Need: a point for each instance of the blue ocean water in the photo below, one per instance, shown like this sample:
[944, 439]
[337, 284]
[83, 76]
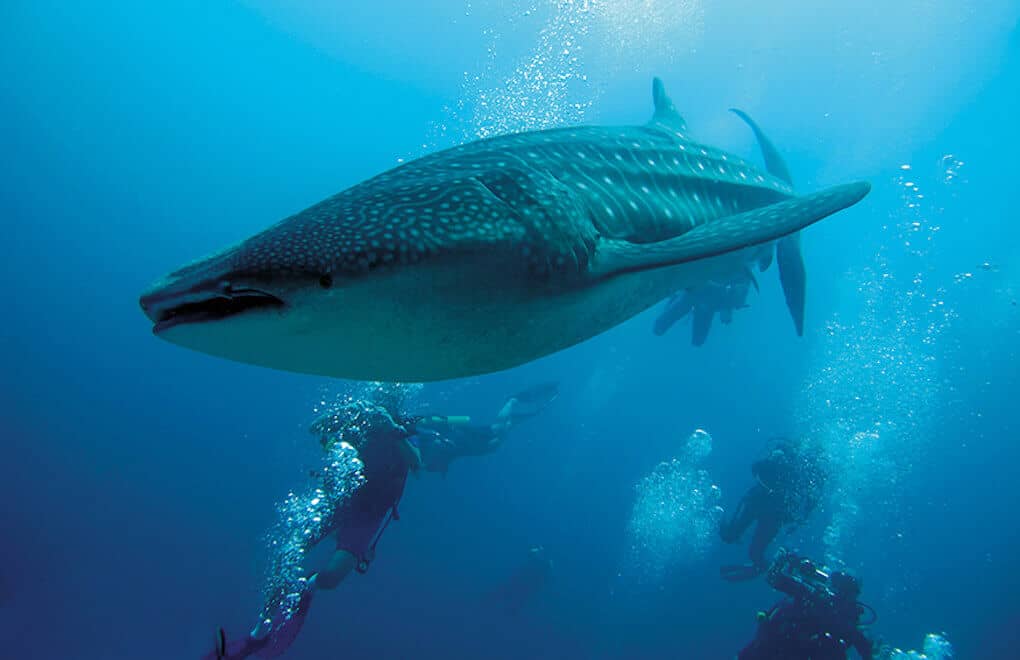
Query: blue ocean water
[139, 480]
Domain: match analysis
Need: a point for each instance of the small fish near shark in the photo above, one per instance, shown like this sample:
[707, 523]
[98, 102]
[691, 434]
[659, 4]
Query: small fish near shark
[491, 254]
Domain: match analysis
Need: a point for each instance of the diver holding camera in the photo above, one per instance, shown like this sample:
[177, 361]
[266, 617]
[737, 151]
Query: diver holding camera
[819, 620]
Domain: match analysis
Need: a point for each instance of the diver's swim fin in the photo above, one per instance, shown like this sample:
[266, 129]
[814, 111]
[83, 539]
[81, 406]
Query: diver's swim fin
[749, 274]
[541, 394]
[235, 648]
[739, 572]
[676, 308]
[529, 402]
[701, 325]
[220, 644]
[727, 234]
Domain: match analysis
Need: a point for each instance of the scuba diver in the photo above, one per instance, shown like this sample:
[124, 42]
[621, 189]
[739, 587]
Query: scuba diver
[705, 301]
[386, 455]
[522, 587]
[443, 439]
[389, 446]
[789, 481]
[820, 619]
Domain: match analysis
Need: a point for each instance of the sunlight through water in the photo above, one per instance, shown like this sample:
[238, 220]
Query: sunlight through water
[548, 85]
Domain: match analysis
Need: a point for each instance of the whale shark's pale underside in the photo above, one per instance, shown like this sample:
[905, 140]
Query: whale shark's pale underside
[491, 254]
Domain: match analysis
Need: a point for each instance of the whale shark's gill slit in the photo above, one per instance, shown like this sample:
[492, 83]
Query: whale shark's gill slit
[485, 184]
[502, 193]
[553, 230]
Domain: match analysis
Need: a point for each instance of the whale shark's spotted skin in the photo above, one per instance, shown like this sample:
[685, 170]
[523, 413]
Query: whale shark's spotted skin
[490, 254]
[549, 194]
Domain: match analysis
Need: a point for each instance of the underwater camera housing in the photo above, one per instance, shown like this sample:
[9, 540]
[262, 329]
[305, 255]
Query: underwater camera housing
[801, 570]
[792, 572]
[822, 586]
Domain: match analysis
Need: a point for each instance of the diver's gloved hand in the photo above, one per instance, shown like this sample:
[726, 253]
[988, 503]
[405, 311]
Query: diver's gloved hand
[781, 564]
[411, 454]
[411, 423]
[261, 629]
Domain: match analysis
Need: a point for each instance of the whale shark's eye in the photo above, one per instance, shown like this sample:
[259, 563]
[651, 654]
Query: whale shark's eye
[326, 281]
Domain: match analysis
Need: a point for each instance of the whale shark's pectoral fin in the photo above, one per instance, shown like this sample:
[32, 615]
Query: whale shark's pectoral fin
[665, 115]
[701, 325]
[765, 259]
[793, 277]
[734, 232]
[774, 163]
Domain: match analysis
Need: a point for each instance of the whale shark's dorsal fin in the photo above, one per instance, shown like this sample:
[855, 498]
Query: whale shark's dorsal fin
[774, 163]
[665, 115]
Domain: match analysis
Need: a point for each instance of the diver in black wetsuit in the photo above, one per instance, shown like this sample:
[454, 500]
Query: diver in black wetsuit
[383, 446]
[443, 439]
[390, 445]
[704, 302]
[788, 485]
[819, 621]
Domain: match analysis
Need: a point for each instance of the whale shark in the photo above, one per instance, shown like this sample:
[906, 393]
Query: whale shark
[487, 255]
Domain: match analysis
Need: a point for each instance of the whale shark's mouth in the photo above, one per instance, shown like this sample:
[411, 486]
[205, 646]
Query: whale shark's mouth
[211, 308]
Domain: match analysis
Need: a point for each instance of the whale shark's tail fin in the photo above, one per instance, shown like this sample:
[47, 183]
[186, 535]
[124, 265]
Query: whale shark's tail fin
[793, 277]
[774, 163]
[792, 273]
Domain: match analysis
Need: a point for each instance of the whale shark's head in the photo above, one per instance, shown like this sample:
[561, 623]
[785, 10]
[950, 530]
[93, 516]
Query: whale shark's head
[234, 304]
[218, 288]
[367, 229]
[295, 316]
[344, 287]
